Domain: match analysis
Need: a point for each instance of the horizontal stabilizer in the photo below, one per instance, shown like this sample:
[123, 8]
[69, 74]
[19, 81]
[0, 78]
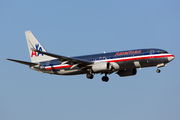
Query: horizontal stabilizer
[23, 62]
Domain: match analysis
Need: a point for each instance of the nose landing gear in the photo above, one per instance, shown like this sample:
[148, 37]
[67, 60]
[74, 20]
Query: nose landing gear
[158, 70]
[160, 65]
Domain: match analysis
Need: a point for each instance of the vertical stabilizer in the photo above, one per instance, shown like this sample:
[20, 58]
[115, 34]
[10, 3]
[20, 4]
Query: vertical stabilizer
[35, 44]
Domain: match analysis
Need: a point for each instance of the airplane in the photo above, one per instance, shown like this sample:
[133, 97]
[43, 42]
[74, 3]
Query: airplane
[124, 63]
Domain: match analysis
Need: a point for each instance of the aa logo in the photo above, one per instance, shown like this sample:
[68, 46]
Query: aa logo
[35, 53]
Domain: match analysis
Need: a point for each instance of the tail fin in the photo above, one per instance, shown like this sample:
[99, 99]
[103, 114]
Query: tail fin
[35, 44]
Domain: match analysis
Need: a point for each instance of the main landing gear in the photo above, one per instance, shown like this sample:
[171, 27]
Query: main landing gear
[90, 76]
[105, 78]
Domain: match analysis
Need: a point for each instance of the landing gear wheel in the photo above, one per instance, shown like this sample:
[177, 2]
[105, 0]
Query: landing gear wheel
[89, 76]
[105, 79]
[158, 70]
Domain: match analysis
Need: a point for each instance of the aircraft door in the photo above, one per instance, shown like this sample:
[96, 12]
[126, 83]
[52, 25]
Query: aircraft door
[152, 60]
[152, 53]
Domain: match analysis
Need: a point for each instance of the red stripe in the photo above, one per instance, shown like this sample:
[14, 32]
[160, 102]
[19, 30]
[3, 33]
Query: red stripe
[58, 67]
[138, 58]
[119, 60]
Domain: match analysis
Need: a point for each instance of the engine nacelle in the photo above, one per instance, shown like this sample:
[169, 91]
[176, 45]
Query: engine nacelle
[127, 72]
[101, 67]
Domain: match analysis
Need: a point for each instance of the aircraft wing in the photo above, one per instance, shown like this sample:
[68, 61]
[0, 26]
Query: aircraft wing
[64, 59]
[23, 62]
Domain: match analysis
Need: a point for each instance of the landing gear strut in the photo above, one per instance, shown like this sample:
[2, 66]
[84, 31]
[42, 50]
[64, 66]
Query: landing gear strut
[90, 75]
[105, 78]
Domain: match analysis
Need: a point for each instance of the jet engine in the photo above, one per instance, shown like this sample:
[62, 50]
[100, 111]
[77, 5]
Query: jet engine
[101, 67]
[127, 72]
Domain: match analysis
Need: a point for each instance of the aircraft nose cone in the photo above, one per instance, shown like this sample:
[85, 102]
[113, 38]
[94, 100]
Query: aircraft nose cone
[171, 58]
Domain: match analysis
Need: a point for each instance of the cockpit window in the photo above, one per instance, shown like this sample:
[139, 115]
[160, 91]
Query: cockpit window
[162, 52]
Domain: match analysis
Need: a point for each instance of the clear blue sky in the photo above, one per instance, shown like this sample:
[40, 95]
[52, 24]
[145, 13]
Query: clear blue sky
[79, 27]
